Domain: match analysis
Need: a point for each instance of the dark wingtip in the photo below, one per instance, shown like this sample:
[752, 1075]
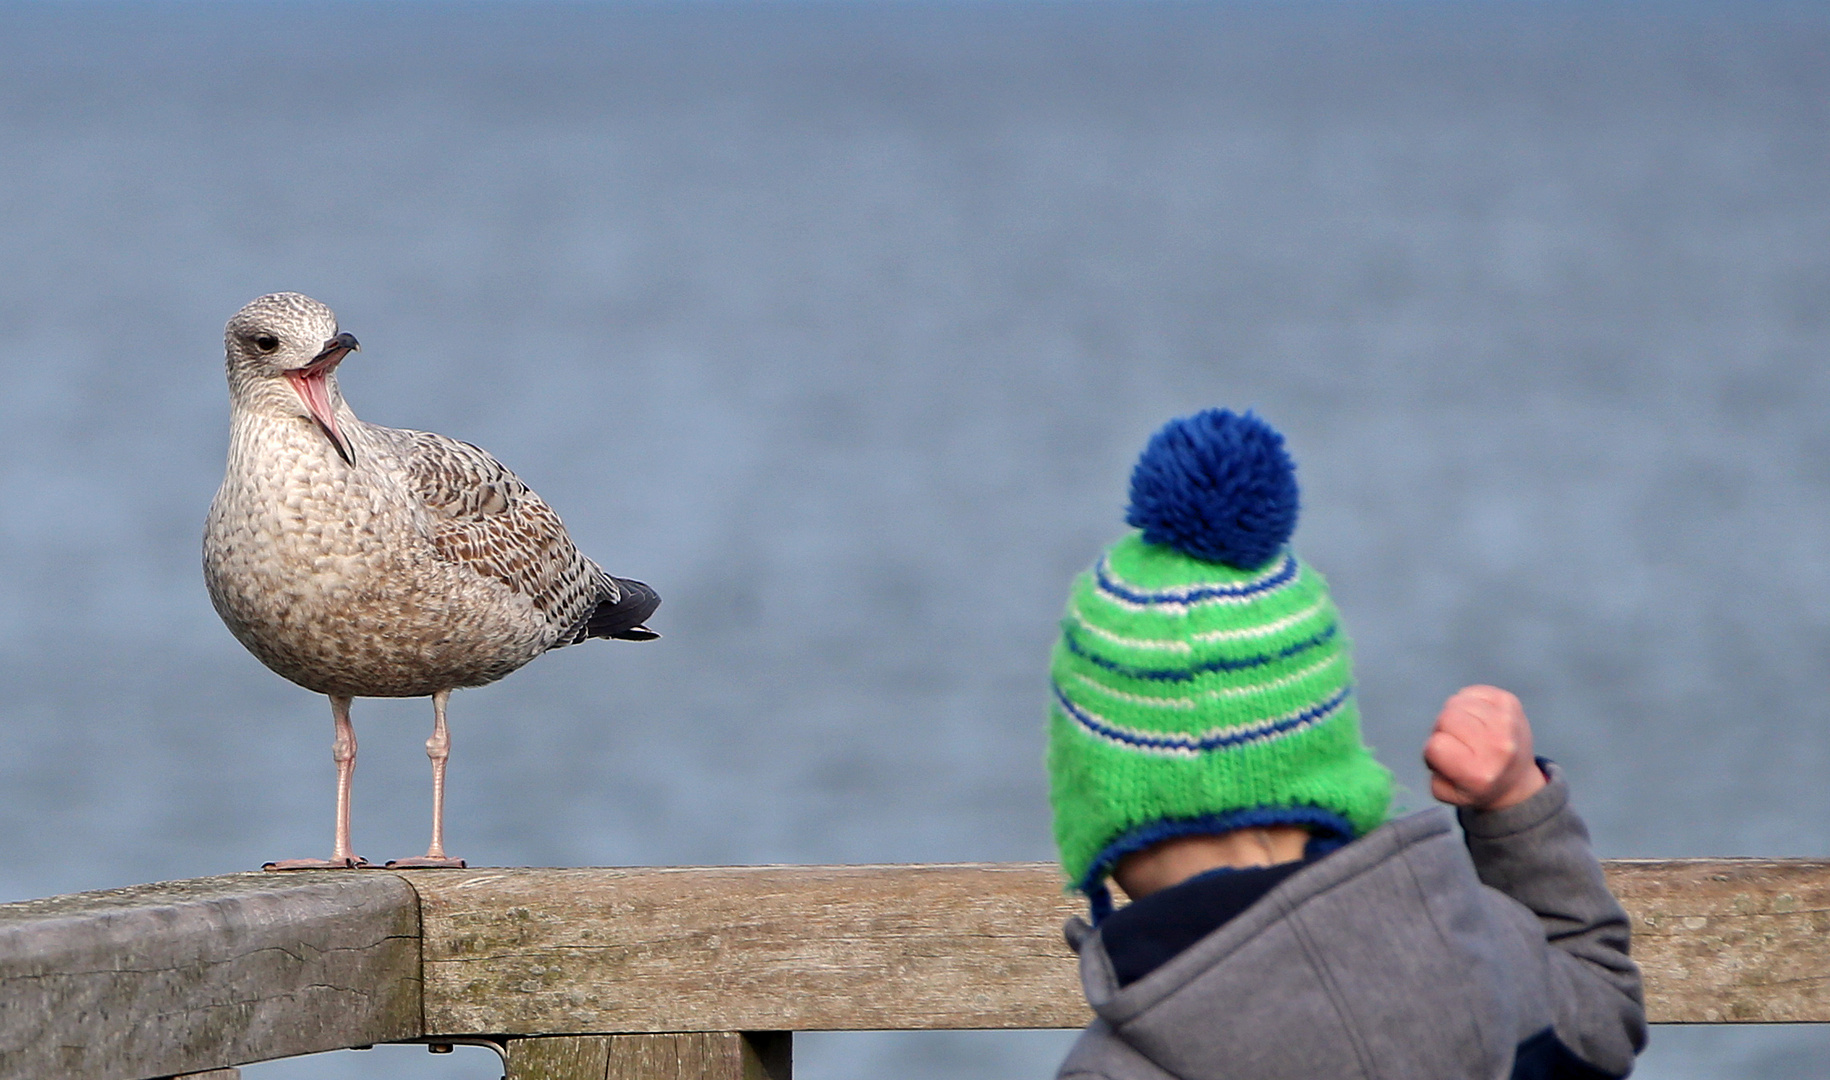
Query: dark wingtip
[622, 618]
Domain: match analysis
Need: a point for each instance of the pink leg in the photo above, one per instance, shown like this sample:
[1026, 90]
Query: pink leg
[344, 751]
[438, 748]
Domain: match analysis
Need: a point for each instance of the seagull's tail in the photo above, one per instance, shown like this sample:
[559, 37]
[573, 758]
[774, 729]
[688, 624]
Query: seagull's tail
[623, 617]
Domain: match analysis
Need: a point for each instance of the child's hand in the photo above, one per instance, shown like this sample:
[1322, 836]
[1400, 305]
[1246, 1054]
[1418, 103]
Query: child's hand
[1480, 753]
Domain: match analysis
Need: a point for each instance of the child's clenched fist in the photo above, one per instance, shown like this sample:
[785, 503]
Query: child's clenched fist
[1480, 753]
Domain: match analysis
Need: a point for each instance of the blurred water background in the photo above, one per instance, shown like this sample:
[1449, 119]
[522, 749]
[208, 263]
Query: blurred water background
[842, 324]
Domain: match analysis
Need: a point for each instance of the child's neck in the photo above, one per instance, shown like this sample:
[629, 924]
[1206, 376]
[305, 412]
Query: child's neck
[1176, 860]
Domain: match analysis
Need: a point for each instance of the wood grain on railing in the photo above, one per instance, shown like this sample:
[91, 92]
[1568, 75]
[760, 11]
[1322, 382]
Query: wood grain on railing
[1744, 941]
[578, 973]
[186, 976]
[790, 948]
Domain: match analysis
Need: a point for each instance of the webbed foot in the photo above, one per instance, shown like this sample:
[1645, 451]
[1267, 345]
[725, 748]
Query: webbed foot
[353, 862]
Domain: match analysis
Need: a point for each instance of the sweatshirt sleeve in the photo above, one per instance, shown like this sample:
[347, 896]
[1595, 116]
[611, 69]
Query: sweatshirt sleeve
[1538, 853]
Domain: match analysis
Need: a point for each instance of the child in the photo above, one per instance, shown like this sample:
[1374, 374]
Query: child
[1204, 751]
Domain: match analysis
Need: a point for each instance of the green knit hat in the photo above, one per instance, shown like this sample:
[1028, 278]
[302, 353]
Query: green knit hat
[1201, 680]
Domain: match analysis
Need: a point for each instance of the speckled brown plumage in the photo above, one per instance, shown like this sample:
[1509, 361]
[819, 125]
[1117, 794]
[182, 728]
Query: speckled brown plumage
[365, 561]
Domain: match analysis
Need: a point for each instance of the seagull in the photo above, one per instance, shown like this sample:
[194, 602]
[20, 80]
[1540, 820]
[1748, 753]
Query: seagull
[366, 561]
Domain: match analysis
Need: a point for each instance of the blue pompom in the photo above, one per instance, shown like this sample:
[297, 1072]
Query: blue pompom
[1216, 486]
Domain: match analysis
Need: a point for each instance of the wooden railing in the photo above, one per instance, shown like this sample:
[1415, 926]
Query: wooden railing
[695, 972]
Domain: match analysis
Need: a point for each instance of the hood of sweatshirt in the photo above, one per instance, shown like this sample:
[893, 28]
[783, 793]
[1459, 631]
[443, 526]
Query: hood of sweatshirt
[1386, 959]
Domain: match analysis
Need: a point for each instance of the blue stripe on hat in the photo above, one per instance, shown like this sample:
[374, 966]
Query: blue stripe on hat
[1193, 671]
[1220, 738]
[1183, 595]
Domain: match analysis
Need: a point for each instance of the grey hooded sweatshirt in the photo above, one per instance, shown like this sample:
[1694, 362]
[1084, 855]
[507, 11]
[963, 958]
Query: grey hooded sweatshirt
[1406, 955]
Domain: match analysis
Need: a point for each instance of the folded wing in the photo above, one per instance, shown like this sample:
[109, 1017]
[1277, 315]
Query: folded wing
[485, 518]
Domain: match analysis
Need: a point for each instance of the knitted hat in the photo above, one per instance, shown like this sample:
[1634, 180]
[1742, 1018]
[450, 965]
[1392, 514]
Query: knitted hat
[1201, 680]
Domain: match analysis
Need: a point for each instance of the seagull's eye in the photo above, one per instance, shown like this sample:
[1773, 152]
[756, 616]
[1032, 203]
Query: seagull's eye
[266, 342]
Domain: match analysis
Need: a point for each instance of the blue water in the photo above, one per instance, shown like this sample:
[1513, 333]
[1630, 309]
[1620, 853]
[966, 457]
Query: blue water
[841, 325]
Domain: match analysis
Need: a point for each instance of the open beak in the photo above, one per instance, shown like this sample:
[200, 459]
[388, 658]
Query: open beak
[334, 351]
[312, 390]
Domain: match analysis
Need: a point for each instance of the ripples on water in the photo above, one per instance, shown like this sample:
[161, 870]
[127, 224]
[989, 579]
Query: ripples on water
[842, 326]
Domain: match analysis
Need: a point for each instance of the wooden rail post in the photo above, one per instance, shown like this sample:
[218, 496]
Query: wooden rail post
[184, 977]
[698, 1055]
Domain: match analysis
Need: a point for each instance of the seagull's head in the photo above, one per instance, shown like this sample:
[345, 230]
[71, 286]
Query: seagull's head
[291, 337]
